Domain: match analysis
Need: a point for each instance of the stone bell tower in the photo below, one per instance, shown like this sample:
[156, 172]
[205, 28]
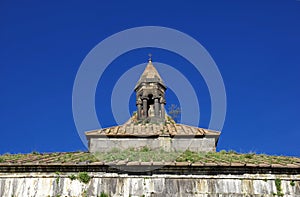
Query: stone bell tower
[150, 126]
[150, 96]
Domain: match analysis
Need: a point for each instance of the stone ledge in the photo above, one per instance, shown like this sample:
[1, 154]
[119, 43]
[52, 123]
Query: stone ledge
[159, 168]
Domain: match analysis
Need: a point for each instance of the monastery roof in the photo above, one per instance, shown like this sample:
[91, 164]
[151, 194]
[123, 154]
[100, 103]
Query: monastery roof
[171, 129]
[233, 162]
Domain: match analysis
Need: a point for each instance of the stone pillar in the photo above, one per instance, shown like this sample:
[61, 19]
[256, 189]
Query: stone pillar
[162, 110]
[139, 109]
[145, 108]
[156, 107]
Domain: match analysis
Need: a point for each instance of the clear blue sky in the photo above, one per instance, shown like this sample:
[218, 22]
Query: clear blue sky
[256, 45]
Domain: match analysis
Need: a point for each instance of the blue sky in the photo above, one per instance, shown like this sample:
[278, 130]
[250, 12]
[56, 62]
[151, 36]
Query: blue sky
[256, 45]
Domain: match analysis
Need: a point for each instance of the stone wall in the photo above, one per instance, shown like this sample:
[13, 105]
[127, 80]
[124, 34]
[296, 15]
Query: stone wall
[166, 143]
[60, 184]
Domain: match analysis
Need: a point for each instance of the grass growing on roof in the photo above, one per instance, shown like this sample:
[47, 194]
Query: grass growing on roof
[145, 154]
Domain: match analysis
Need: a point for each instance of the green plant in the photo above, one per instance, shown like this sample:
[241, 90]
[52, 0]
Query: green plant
[103, 194]
[58, 177]
[57, 180]
[84, 194]
[223, 152]
[278, 187]
[191, 156]
[232, 152]
[292, 183]
[145, 149]
[83, 177]
[72, 177]
[249, 156]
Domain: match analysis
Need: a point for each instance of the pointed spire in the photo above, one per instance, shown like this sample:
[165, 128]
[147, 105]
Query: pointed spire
[150, 74]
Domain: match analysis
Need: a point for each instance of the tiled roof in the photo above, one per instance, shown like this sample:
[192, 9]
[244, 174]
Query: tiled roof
[187, 164]
[186, 159]
[153, 130]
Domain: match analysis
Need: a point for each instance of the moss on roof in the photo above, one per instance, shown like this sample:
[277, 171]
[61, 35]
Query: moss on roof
[146, 155]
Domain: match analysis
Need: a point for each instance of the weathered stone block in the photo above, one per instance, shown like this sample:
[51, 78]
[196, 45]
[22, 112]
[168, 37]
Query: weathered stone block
[165, 143]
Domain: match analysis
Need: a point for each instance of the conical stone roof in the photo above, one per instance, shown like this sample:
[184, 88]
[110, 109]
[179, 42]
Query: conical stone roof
[150, 74]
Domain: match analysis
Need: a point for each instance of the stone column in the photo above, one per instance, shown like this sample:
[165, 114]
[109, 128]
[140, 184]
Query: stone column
[162, 107]
[145, 108]
[156, 107]
[162, 110]
[139, 109]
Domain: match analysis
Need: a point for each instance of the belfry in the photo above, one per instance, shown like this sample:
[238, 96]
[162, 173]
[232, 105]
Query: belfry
[151, 126]
[150, 96]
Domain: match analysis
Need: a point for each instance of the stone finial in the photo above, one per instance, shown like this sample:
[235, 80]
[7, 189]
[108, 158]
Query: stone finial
[150, 57]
